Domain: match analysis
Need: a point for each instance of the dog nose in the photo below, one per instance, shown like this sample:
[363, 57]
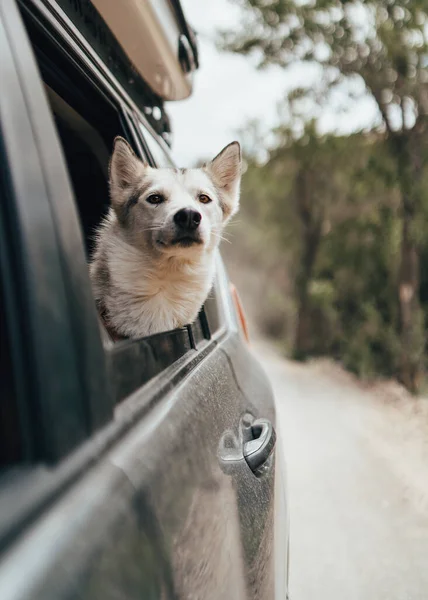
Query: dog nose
[186, 218]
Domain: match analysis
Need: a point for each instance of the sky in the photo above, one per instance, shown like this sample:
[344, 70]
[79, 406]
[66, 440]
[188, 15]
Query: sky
[229, 92]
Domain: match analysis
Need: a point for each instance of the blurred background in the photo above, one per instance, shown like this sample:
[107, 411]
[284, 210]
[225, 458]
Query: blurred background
[329, 100]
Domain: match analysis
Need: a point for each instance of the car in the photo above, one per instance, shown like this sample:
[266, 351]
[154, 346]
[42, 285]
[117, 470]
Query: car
[135, 469]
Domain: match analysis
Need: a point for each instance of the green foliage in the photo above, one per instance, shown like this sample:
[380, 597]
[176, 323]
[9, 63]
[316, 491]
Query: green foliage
[350, 212]
[352, 309]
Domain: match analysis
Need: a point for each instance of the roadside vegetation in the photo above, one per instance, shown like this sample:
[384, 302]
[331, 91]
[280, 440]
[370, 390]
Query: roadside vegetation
[332, 238]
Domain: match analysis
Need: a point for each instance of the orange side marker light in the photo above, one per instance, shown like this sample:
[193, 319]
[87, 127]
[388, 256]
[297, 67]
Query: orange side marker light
[240, 312]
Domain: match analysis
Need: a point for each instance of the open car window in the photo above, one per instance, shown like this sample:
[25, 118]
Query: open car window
[88, 116]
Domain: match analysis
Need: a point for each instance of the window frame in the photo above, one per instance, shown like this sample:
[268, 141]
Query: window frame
[144, 131]
[130, 363]
[193, 336]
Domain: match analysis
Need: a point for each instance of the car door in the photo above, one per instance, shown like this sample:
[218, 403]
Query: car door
[132, 481]
[262, 501]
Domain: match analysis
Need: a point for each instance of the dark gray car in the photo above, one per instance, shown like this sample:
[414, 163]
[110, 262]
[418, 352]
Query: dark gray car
[129, 470]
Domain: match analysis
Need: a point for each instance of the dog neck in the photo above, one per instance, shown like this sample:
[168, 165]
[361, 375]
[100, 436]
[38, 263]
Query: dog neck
[144, 293]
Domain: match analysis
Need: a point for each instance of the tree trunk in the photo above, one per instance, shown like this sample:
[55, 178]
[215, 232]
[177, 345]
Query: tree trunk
[409, 170]
[310, 217]
[302, 340]
[411, 331]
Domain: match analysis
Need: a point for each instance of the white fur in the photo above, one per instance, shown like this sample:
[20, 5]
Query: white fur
[143, 282]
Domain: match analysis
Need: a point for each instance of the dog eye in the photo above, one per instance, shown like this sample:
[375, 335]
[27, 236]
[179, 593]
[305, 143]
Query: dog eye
[204, 199]
[155, 199]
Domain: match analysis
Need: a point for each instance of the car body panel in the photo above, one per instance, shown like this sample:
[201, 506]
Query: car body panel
[158, 511]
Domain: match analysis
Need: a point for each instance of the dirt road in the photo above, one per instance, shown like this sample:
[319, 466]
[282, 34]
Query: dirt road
[358, 485]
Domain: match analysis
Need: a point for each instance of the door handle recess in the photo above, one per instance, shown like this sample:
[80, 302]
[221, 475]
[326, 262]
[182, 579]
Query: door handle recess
[258, 449]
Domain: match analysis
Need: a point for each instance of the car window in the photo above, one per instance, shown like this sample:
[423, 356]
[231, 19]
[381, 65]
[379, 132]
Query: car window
[88, 117]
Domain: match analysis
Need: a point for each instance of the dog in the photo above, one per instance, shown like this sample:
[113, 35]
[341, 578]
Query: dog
[154, 256]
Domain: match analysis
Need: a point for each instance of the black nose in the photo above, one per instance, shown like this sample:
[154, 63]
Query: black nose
[186, 218]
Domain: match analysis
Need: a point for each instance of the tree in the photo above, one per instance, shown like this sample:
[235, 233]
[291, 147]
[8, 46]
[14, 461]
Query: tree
[384, 45]
[312, 165]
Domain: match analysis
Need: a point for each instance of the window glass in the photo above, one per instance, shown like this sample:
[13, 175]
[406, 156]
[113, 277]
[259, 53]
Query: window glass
[160, 156]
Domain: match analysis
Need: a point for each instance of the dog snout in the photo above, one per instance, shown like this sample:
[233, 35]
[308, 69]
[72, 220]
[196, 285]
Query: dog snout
[187, 219]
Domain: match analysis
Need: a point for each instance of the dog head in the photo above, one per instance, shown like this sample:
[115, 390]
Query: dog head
[177, 212]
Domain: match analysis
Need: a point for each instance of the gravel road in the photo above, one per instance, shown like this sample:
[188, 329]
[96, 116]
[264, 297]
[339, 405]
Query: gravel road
[358, 486]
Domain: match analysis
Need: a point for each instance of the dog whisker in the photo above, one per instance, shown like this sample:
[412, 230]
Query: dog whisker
[221, 237]
[152, 228]
[234, 222]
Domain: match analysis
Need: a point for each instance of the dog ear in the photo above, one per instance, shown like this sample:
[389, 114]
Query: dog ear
[125, 167]
[225, 171]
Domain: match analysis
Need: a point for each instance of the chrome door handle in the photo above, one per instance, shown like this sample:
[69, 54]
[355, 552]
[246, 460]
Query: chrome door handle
[258, 449]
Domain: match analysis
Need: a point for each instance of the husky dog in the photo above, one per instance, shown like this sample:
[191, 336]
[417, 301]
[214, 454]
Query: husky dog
[154, 258]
